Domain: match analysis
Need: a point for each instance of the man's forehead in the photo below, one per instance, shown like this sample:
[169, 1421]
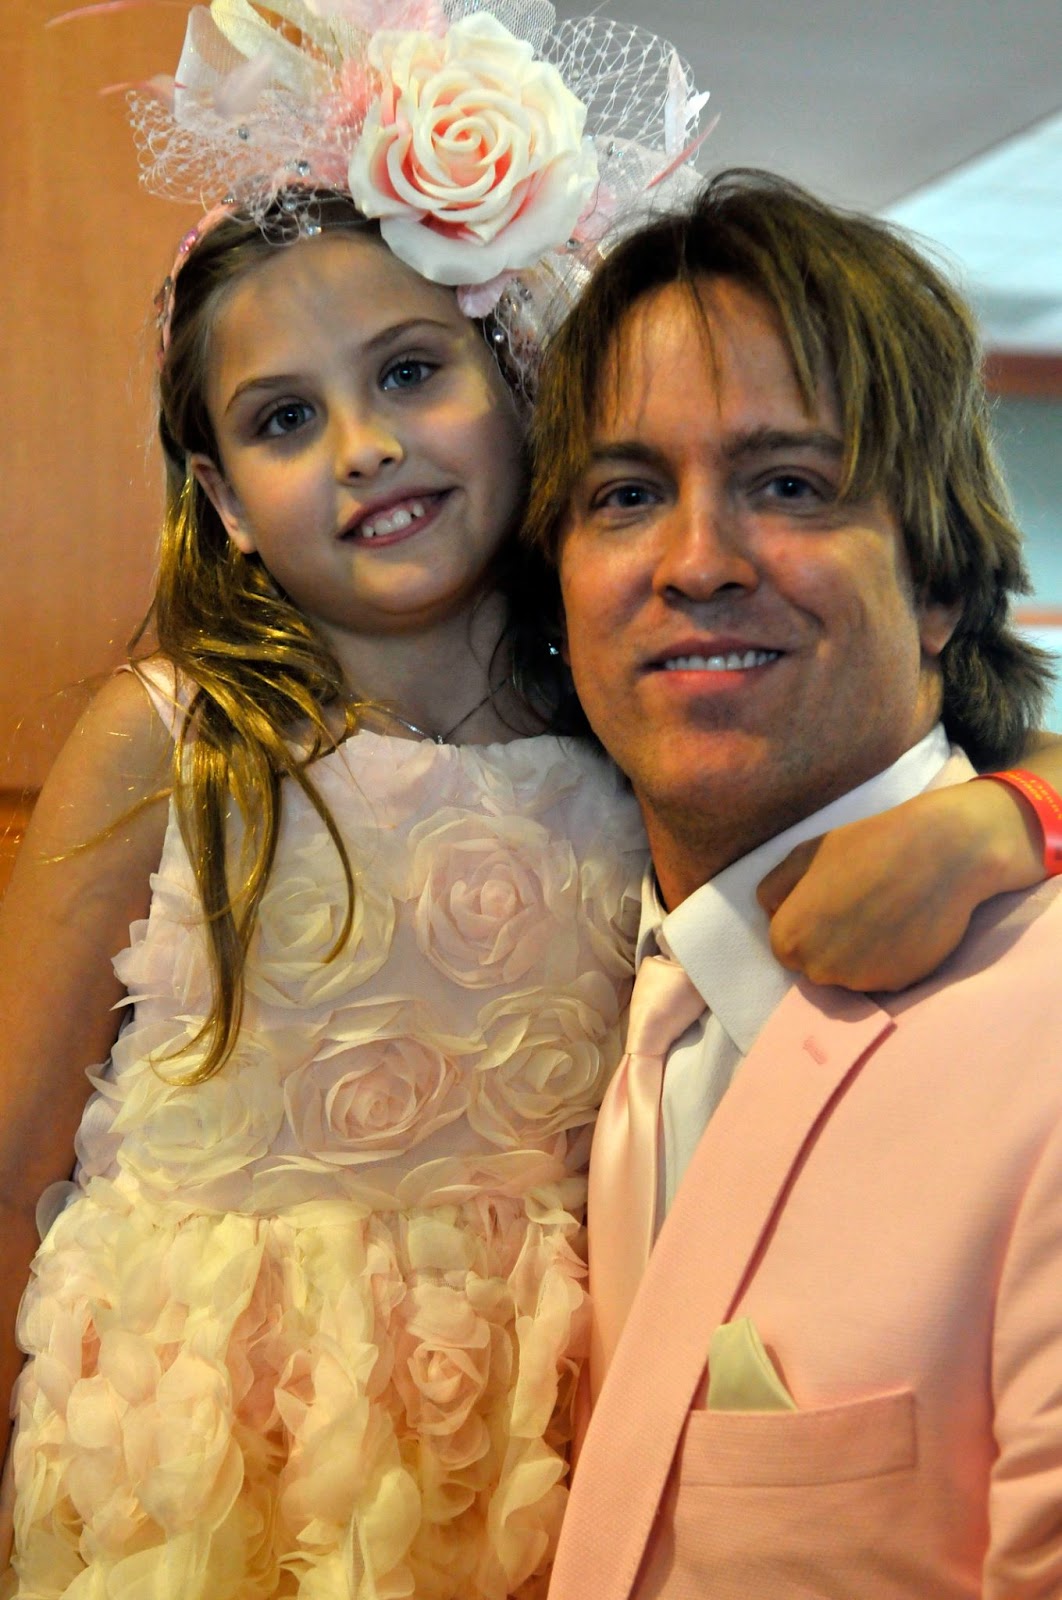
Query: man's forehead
[693, 354]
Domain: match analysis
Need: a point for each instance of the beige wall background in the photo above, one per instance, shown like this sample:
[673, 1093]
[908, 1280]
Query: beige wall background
[83, 251]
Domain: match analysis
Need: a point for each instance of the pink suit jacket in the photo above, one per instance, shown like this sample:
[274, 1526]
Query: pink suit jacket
[881, 1191]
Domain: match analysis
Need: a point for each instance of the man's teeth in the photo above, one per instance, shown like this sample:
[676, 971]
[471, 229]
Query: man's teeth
[733, 661]
[392, 521]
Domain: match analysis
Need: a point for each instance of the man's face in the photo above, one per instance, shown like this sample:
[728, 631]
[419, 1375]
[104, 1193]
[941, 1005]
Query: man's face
[746, 646]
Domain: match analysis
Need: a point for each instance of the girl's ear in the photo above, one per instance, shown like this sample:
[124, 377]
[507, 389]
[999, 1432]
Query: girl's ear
[225, 501]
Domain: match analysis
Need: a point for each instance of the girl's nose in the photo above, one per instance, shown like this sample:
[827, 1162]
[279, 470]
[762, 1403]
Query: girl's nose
[703, 551]
[365, 444]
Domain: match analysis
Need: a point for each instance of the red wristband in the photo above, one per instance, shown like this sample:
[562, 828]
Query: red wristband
[1047, 804]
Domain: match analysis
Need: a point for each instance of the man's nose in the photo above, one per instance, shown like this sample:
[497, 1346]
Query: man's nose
[703, 549]
[365, 442]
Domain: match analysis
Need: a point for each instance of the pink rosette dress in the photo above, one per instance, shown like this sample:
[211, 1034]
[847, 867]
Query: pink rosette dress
[313, 1327]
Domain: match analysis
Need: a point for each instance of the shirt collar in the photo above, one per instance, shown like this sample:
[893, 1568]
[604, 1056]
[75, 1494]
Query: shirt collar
[720, 933]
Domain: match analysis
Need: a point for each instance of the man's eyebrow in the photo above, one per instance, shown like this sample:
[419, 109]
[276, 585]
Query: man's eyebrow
[769, 441]
[757, 441]
[623, 450]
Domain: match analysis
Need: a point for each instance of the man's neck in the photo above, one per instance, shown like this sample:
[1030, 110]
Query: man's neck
[684, 859]
[688, 853]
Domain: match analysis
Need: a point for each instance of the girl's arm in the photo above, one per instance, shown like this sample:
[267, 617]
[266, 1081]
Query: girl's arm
[880, 904]
[61, 922]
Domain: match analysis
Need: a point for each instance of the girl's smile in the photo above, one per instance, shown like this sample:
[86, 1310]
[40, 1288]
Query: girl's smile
[368, 449]
[396, 520]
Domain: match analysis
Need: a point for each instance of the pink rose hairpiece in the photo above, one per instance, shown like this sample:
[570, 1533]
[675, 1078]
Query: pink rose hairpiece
[498, 149]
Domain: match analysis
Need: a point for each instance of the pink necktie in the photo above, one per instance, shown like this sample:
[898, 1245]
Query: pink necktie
[621, 1209]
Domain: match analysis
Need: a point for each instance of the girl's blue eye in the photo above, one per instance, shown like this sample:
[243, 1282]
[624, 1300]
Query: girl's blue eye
[288, 418]
[407, 374]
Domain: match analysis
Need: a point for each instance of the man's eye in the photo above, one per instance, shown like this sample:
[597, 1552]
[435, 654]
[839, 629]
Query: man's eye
[288, 418]
[623, 497]
[407, 374]
[792, 487]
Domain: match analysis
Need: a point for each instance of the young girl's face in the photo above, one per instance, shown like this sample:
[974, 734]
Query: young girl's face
[369, 450]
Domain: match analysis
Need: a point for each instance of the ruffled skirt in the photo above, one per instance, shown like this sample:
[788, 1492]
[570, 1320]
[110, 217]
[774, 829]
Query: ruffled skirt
[323, 1404]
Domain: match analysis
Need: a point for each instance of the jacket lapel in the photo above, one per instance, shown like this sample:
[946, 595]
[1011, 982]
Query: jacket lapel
[709, 1243]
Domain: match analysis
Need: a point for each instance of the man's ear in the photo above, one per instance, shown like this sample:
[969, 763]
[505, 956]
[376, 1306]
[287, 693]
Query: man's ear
[225, 501]
[936, 624]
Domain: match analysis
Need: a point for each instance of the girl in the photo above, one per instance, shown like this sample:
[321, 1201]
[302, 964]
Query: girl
[309, 1319]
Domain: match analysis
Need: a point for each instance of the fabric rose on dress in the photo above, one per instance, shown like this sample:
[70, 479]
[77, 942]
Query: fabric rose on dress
[474, 157]
[497, 899]
[294, 961]
[149, 1442]
[526, 1510]
[186, 1466]
[168, 956]
[179, 1138]
[548, 1059]
[377, 1087]
[443, 1367]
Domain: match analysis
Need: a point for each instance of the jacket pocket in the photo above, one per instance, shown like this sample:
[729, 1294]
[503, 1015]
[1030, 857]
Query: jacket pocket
[776, 1449]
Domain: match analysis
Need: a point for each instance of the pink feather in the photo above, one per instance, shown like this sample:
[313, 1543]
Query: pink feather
[106, 7]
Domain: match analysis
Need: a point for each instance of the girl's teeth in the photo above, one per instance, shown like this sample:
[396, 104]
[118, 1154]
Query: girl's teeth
[734, 661]
[393, 521]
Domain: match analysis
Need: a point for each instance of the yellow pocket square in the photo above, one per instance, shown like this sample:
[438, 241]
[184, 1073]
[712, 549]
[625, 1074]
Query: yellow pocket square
[741, 1376]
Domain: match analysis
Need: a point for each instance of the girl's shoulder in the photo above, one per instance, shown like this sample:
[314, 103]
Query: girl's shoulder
[114, 765]
[120, 740]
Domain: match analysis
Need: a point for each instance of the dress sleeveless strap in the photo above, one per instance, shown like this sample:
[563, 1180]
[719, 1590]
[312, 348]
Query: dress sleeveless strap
[170, 694]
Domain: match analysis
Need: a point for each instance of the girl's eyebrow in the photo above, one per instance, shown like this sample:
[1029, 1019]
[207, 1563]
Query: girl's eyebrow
[400, 330]
[386, 336]
[268, 381]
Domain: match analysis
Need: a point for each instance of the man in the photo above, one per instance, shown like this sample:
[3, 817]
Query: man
[785, 560]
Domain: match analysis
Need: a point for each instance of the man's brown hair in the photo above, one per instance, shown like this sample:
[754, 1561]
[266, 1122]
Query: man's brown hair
[858, 305]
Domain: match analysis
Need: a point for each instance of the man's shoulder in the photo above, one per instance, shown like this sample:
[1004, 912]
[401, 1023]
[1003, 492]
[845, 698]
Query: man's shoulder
[1011, 949]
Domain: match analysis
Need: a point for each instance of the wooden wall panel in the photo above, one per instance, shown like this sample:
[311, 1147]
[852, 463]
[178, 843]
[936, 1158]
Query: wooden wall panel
[15, 809]
[83, 249]
[1024, 374]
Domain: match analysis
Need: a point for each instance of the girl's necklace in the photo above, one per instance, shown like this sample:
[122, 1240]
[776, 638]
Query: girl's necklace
[444, 738]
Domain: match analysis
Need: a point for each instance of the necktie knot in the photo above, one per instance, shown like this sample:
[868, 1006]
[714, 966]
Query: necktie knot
[663, 1005]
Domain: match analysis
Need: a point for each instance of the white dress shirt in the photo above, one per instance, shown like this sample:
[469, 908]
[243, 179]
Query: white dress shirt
[720, 935]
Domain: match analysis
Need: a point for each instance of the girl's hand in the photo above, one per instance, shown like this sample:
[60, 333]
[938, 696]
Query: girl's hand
[880, 904]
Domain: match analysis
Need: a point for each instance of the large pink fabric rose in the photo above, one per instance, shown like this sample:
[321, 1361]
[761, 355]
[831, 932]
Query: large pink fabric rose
[376, 1089]
[496, 900]
[183, 1137]
[473, 157]
[548, 1060]
[295, 960]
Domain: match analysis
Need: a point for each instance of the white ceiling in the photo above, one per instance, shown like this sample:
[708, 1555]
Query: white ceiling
[867, 103]
[1000, 217]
